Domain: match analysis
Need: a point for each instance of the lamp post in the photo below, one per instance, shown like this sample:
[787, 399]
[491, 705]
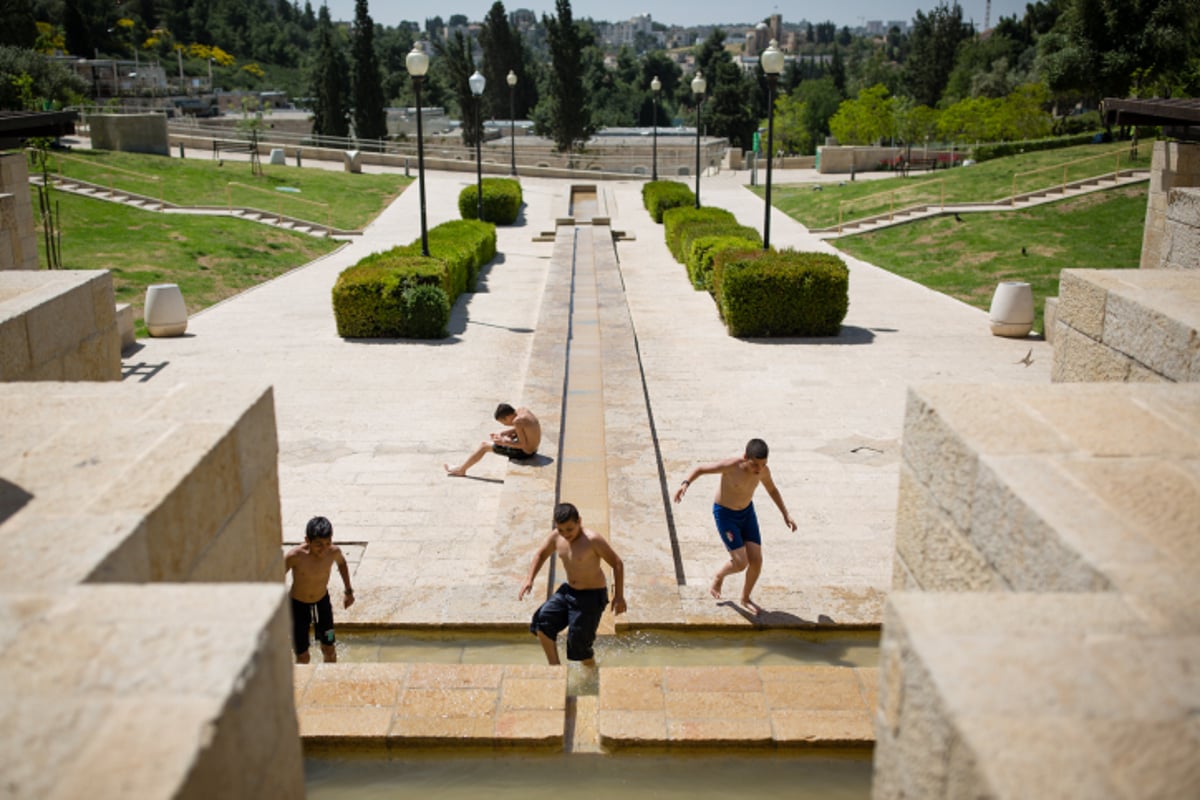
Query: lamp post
[698, 87]
[656, 87]
[772, 64]
[477, 82]
[417, 64]
[511, 80]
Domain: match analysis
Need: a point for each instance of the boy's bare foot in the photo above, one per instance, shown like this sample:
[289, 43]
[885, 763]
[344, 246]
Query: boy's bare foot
[754, 607]
[715, 589]
[455, 472]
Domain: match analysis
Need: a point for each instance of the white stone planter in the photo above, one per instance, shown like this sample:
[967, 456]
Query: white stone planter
[165, 313]
[1012, 309]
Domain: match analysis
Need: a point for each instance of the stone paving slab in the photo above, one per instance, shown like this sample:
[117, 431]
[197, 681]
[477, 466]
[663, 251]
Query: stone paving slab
[380, 705]
[680, 707]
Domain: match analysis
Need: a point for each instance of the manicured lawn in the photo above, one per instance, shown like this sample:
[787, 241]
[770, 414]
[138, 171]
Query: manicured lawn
[348, 201]
[967, 259]
[211, 258]
[985, 182]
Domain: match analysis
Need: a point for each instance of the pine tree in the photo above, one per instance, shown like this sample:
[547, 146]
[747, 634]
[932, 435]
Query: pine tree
[502, 51]
[459, 66]
[330, 117]
[370, 116]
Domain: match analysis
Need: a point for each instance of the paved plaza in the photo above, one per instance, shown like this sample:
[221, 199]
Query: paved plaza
[365, 426]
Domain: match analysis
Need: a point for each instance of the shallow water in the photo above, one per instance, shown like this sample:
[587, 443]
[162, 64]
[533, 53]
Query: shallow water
[630, 649]
[442, 776]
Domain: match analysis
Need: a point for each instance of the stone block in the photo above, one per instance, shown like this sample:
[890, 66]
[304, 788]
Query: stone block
[1081, 302]
[1155, 326]
[1049, 315]
[125, 325]
[1079, 358]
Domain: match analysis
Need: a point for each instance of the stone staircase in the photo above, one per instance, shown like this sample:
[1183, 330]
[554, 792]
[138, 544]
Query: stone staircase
[134, 200]
[1026, 200]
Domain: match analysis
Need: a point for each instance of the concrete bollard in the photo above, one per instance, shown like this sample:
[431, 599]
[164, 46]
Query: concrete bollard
[297, 156]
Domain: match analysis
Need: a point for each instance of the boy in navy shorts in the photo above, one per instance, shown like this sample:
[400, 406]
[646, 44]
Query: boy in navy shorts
[310, 565]
[733, 510]
[578, 603]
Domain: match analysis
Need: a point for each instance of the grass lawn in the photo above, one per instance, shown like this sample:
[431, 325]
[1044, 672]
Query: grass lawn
[985, 182]
[348, 201]
[967, 259]
[211, 258]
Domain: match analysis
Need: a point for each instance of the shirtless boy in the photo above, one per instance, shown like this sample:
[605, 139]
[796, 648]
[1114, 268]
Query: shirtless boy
[519, 439]
[578, 603]
[733, 510]
[310, 565]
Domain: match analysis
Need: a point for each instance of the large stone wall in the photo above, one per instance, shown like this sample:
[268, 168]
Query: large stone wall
[130, 133]
[1048, 644]
[1127, 325]
[1173, 165]
[18, 238]
[58, 325]
[145, 621]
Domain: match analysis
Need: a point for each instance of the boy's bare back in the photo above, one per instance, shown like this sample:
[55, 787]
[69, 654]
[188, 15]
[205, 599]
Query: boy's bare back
[310, 567]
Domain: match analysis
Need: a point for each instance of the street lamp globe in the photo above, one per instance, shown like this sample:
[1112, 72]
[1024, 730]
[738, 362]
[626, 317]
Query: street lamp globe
[417, 61]
[698, 87]
[477, 82]
[772, 59]
[511, 79]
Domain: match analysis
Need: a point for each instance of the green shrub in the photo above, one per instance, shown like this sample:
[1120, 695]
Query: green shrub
[986, 152]
[401, 294]
[501, 201]
[677, 220]
[658, 196]
[785, 293]
[704, 248]
[426, 312]
[701, 230]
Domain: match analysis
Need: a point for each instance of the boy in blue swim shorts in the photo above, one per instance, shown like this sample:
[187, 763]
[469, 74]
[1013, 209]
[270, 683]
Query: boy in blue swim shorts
[580, 601]
[733, 511]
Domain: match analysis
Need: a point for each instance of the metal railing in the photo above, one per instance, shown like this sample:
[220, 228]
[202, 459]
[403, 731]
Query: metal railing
[891, 194]
[280, 198]
[106, 171]
[1065, 167]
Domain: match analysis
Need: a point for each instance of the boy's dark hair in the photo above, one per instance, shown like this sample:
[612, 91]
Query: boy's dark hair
[565, 512]
[756, 448]
[318, 528]
[503, 410]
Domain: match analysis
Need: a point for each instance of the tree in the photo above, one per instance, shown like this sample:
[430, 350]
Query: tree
[27, 78]
[563, 113]
[865, 120]
[790, 132]
[76, 29]
[370, 116]
[821, 101]
[328, 80]
[731, 113]
[1110, 48]
[933, 47]
[503, 51]
[459, 66]
[20, 26]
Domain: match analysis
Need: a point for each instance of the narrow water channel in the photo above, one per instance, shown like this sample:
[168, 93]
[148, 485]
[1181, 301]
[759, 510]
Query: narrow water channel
[805, 775]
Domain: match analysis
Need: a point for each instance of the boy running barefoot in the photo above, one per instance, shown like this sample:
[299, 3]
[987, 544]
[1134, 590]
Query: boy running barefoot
[310, 565]
[733, 510]
[578, 603]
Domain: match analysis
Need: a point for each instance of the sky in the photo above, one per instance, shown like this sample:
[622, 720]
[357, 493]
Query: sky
[681, 12]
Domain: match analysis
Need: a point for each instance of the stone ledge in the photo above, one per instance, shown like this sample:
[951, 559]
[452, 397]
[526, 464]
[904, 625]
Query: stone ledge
[121, 483]
[451, 705]
[1019, 695]
[1148, 317]
[147, 691]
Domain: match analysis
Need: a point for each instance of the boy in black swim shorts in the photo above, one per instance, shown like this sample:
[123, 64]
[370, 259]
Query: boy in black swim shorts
[310, 565]
[579, 603]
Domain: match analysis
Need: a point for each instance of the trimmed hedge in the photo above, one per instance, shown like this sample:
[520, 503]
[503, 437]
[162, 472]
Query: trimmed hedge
[677, 220]
[401, 294]
[501, 201]
[658, 196]
[704, 249]
[781, 293]
[986, 152]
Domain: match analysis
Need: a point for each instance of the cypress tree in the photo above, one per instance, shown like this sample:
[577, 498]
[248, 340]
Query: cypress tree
[330, 117]
[563, 114]
[370, 117]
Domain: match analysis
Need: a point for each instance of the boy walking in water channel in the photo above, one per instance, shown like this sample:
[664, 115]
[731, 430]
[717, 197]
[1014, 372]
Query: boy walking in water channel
[579, 602]
[519, 439]
[310, 565]
[733, 510]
